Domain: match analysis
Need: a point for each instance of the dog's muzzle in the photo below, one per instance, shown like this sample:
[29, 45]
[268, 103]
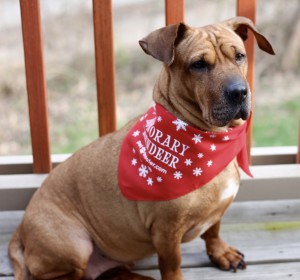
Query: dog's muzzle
[234, 102]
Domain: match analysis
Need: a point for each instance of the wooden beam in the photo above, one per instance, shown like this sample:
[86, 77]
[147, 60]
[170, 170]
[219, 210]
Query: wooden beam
[270, 182]
[105, 66]
[174, 11]
[36, 85]
[247, 9]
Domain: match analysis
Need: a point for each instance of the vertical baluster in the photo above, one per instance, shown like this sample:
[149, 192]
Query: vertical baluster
[36, 85]
[174, 11]
[105, 67]
[247, 8]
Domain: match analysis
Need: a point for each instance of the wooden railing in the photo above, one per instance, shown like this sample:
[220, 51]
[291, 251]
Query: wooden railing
[272, 167]
[105, 70]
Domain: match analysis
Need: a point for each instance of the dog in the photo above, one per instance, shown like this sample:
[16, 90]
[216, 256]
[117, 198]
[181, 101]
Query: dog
[86, 221]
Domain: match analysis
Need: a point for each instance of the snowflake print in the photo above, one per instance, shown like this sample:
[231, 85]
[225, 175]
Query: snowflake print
[159, 119]
[142, 150]
[197, 138]
[159, 179]
[136, 133]
[133, 150]
[209, 163]
[200, 155]
[154, 111]
[212, 136]
[197, 171]
[150, 123]
[143, 171]
[180, 124]
[188, 162]
[177, 175]
[143, 117]
[213, 147]
[226, 138]
[133, 161]
[149, 181]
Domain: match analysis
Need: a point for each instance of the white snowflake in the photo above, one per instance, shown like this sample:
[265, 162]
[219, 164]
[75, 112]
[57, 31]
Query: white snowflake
[149, 181]
[197, 171]
[188, 162]
[200, 155]
[139, 143]
[197, 138]
[142, 150]
[154, 111]
[213, 147]
[134, 161]
[159, 119]
[133, 150]
[209, 163]
[180, 124]
[143, 171]
[136, 133]
[226, 138]
[212, 135]
[159, 179]
[177, 175]
[143, 117]
[150, 123]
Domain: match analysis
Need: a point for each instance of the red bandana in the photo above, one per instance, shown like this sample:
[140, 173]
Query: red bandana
[163, 158]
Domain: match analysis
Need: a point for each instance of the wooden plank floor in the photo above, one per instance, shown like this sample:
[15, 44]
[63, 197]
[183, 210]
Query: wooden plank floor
[267, 232]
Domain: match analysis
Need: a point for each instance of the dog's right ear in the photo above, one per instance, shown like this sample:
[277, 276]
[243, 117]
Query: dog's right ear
[161, 43]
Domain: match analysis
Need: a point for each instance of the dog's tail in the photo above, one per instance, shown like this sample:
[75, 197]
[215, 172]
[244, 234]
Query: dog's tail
[16, 255]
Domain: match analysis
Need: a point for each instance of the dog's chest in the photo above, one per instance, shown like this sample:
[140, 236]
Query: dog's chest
[209, 211]
[229, 190]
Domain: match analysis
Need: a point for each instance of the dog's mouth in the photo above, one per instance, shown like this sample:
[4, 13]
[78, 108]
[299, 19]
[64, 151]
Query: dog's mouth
[242, 114]
[223, 115]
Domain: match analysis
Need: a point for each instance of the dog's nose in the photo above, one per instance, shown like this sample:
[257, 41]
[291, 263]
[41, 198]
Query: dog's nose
[236, 92]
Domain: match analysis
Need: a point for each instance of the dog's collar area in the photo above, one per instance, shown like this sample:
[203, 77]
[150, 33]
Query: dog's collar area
[163, 157]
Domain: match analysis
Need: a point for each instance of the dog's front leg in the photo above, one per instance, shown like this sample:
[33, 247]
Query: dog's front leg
[221, 253]
[167, 244]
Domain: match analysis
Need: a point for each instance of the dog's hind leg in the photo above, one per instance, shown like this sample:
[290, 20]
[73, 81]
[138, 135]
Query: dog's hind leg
[58, 249]
[16, 254]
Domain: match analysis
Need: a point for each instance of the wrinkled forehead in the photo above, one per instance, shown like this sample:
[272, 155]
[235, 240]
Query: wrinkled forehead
[220, 34]
[211, 41]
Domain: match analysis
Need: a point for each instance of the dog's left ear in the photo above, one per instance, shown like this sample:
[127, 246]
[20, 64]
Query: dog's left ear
[241, 25]
[161, 43]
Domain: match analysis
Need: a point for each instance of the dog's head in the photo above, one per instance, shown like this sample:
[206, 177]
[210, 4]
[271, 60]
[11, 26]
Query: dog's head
[207, 67]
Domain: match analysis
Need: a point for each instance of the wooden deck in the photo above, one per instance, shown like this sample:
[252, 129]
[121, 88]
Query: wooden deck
[267, 232]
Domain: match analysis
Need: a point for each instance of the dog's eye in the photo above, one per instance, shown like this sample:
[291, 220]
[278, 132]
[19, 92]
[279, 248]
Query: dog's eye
[200, 65]
[240, 57]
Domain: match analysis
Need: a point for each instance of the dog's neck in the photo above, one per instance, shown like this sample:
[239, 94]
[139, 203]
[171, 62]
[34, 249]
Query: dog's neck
[186, 110]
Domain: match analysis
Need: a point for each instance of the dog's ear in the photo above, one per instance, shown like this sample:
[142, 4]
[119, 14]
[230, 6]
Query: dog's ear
[161, 43]
[241, 25]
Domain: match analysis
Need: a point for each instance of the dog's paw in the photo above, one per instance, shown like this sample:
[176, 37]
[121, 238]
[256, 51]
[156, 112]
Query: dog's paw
[225, 257]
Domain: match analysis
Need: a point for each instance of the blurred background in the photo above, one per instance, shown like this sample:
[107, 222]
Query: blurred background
[70, 69]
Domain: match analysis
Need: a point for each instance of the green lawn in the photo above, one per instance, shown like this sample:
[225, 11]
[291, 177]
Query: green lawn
[274, 125]
[277, 125]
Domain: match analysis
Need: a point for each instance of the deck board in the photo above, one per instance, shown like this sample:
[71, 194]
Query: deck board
[267, 232]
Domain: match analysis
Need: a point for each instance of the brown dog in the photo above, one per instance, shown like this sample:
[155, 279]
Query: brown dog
[79, 225]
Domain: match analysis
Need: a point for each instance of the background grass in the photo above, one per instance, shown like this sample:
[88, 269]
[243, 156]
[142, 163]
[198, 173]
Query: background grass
[277, 125]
